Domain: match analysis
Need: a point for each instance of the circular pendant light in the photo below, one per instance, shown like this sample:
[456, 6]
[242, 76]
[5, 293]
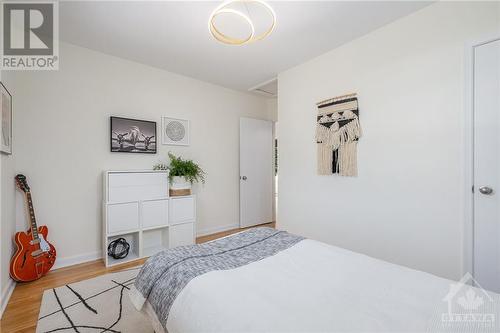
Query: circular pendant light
[224, 8]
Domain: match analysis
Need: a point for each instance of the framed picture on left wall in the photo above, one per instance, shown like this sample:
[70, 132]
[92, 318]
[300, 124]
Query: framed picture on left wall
[6, 120]
[132, 135]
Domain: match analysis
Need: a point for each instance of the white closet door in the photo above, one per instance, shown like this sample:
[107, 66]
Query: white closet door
[487, 165]
[256, 171]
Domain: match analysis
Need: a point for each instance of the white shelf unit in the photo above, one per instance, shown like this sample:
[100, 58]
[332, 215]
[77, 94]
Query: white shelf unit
[138, 208]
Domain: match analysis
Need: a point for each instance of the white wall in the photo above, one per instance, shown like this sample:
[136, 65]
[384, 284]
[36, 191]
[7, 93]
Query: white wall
[406, 206]
[62, 140]
[7, 223]
[272, 109]
[7, 218]
[1, 234]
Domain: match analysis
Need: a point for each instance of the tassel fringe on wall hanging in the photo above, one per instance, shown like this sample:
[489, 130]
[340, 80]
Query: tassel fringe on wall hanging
[337, 134]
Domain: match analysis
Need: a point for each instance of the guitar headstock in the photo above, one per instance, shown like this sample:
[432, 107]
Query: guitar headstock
[22, 183]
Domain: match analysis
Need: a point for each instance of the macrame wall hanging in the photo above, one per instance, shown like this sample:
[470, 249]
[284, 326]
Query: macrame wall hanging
[337, 134]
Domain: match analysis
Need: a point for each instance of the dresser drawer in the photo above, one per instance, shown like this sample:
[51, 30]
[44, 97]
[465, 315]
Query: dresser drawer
[123, 217]
[154, 213]
[182, 209]
[125, 187]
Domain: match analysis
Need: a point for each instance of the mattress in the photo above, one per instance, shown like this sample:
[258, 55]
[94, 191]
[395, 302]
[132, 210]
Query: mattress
[302, 285]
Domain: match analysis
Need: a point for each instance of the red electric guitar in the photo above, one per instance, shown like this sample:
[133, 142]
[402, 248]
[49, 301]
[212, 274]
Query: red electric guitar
[34, 256]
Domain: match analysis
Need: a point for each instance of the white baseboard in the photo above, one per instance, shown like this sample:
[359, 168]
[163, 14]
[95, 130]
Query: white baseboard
[6, 293]
[213, 230]
[79, 259]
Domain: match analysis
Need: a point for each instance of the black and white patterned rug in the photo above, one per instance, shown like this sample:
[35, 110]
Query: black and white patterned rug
[100, 304]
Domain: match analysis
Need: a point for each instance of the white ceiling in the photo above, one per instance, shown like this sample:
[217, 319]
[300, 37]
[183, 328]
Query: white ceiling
[174, 35]
[268, 88]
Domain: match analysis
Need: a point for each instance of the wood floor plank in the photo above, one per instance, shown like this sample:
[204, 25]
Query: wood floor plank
[21, 314]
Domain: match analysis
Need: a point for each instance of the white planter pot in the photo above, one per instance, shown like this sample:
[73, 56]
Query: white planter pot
[180, 183]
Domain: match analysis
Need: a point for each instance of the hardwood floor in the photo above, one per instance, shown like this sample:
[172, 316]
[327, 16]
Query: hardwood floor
[21, 313]
[208, 238]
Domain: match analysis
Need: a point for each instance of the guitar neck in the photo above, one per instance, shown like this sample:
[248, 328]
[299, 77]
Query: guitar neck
[31, 210]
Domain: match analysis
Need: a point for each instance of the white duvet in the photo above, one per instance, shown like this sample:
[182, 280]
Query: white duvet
[311, 287]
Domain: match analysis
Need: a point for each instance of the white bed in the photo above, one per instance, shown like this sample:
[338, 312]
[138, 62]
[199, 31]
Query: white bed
[314, 287]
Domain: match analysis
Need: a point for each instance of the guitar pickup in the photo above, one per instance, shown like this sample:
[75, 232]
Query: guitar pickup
[36, 253]
[35, 241]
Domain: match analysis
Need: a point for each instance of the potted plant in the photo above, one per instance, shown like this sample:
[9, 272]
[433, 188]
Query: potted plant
[183, 173]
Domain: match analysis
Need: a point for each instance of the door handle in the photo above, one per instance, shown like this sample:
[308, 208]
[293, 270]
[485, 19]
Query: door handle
[244, 177]
[486, 190]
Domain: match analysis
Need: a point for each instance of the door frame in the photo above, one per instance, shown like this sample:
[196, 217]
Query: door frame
[468, 141]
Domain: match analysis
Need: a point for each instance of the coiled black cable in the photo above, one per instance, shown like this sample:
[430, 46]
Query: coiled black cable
[119, 248]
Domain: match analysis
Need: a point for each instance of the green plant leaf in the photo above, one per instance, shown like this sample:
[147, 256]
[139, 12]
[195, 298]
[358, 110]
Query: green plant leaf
[191, 171]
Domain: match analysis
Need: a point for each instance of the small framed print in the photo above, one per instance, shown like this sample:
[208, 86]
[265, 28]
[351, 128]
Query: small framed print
[175, 131]
[6, 120]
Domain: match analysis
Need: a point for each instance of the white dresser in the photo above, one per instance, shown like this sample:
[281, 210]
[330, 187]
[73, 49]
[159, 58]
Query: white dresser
[138, 208]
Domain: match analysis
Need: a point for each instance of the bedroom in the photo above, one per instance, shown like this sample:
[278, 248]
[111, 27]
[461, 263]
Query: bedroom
[418, 78]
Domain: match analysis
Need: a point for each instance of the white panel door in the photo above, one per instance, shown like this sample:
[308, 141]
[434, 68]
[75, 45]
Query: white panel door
[487, 165]
[256, 171]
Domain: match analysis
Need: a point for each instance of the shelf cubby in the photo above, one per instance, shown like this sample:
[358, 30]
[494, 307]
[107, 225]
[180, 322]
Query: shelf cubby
[131, 238]
[154, 240]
